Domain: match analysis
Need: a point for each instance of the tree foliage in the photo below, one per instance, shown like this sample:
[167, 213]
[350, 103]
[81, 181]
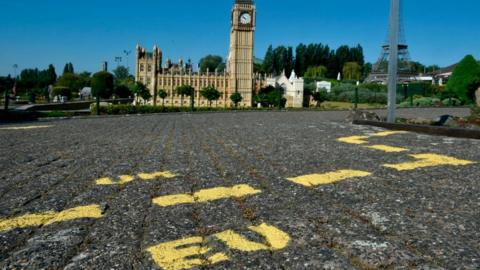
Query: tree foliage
[71, 81]
[312, 55]
[212, 62]
[465, 79]
[236, 98]
[121, 73]
[271, 97]
[163, 95]
[211, 94]
[352, 71]
[320, 97]
[122, 91]
[185, 90]
[68, 69]
[141, 91]
[316, 72]
[102, 84]
[278, 60]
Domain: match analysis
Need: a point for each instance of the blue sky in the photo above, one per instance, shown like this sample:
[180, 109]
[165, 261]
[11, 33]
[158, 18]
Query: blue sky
[36, 33]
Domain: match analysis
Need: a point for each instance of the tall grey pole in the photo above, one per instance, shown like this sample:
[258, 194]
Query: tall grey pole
[393, 61]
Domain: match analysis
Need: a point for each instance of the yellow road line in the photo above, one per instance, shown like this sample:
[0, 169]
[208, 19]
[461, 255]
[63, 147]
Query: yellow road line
[388, 133]
[206, 195]
[24, 127]
[193, 252]
[155, 175]
[428, 160]
[386, 148]
[327, 178]
[124, 179]
[184, 254]
[354, 139]
[275, 238]
[50, 217]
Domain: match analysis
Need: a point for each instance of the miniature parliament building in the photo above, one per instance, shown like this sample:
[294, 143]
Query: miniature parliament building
[238, 77]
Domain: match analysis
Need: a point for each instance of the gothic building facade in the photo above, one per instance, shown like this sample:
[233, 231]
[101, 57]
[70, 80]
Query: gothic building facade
[238, 77]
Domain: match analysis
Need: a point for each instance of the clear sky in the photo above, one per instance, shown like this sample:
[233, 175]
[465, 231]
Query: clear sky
[36, 33]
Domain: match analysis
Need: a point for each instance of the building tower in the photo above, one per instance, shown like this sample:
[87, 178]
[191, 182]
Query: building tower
[379, 72]
[241, 49]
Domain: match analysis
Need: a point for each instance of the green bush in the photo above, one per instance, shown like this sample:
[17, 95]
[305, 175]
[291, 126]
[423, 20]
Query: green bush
[419, 101]
[102, 83]
[451, 102]
[62, 91]
[465, 79]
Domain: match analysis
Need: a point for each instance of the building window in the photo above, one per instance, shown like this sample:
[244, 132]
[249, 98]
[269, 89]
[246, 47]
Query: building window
[141, 79]
[149, 68]
[142, 67]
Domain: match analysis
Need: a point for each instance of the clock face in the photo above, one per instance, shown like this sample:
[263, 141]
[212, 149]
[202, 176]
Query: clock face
[245, 18]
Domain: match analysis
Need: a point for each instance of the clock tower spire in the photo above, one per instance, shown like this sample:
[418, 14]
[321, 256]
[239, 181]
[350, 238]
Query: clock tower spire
[241, 49]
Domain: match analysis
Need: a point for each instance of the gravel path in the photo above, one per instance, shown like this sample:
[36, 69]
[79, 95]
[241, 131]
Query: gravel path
[256, 190]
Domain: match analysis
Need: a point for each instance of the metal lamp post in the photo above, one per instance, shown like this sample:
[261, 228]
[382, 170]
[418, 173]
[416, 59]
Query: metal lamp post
[127, 53]
[393, 61]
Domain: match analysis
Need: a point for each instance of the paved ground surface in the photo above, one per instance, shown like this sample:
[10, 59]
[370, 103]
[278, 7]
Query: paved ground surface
[250, 191]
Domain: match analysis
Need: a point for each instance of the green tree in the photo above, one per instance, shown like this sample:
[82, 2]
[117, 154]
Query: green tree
[61, 91]
[163, 95]
[464, 79]
[71, 81]
[121, 73]
[185, 90]
[316, 72]
[48, 76]
[211, 94]
[270, 96]
[367, 69]
[236, 98]
[320, 97]
[141, 91]
[300, 59]
[269, 61]
[212, 62]
[68, 69]
[29, 79]
[122, 91]
[102, 84]
[352, 71]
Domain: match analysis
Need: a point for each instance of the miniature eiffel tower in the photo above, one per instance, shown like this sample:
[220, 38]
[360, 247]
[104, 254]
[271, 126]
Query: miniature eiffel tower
[379, 72]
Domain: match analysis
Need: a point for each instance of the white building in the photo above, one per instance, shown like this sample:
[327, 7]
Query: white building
[324, 85]
[293, 88]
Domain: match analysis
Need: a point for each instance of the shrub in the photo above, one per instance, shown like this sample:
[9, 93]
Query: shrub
[102, 83]
[62, 91]
[465, 75]
[451, 102]
[122, 91]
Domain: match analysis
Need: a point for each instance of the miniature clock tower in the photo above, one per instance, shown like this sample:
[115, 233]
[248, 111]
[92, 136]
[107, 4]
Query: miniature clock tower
[241, 49]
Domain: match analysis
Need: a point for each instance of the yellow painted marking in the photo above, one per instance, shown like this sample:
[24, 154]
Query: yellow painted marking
[184, 254]
[327, 178]
[192, 252]
[207, 195]
[428, 160]
[23, 127]
[155, 175]
[354, 139]
[50, 217]
[123, 179]
[275, 238]
[388, 133]
[386, 148]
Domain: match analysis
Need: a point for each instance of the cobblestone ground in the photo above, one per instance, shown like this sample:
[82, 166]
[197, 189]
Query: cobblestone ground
[260, 190]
